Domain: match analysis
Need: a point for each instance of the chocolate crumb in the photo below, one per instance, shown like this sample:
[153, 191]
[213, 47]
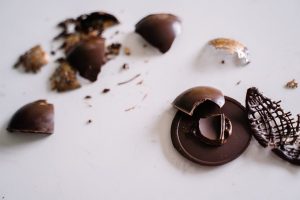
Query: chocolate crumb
[125, 66]
[140, 82]
[52, 53]
[223, 62]
[87, 97]
[129, 109]
[33, 59]
[105, 90]
[239, 82]
[64, 78]
[113, 49]
[127, 51]
[292, 84]
[133, 78]
[89, 121]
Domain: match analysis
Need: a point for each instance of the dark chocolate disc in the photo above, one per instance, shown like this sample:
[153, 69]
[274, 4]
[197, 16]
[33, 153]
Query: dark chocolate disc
[198, 151]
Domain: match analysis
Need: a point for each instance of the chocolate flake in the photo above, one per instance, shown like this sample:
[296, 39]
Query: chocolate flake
[292, 84]
[87, 97]
[125, 66]
[33, 59]
[133, 78]
[105, 90]
[272, 127]
[89, 121]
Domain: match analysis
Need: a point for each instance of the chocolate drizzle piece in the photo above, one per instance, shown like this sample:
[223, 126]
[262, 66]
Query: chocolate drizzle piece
[273, 127]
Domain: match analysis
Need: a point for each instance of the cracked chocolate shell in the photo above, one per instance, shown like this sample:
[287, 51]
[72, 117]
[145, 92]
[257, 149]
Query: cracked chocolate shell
[232, 47]
[87, 57]
[209, 128]
[160, 30]
[35, 117]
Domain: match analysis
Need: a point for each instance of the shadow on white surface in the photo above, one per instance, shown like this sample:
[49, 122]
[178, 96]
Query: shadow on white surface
[140, 48]
[11, 140]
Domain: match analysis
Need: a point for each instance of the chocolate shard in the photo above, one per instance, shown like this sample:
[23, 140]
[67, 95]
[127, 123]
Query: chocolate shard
[96, 21]
[213, 130]
[160, 30]
[272, 127]
[190, 99]
[35, 117]
[87, 57]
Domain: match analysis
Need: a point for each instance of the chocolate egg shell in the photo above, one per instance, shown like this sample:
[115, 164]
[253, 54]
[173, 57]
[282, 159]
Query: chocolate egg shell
[35, 117]
[87, 57]
[160, 30]
[191, 98]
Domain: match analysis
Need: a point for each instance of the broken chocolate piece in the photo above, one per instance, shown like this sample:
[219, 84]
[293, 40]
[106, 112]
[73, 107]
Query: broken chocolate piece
[191, 98]
[160, 30]
[64, 78]
[233, 47]
[272, 127]
[292, 84]
[87, 57]
[36, 117]
[214, 129]
[33, 60]
[213, 146]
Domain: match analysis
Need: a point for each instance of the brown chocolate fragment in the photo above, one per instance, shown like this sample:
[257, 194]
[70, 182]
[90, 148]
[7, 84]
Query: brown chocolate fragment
[272, 127]
[160, 30]
[292, 84]
[125, 66]
[87, 57]
[64, 78]
[33, 60]
[105, 90]
[87, 97]
[35, 117]
[89, 121]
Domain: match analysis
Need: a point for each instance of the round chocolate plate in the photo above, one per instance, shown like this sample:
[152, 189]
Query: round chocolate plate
[195, 150]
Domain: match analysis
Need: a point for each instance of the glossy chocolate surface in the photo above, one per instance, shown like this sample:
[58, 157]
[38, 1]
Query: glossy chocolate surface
[87, 57]
[160, 30]
[191, 98]
[194, 149]
[35, 117]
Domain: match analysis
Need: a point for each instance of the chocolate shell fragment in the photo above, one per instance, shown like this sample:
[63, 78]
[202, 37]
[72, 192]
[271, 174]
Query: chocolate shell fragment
[35, 117]
[233, 47]
[273, 127]
[209, 128]
[33, 60]
[87, 57]
[160, 30]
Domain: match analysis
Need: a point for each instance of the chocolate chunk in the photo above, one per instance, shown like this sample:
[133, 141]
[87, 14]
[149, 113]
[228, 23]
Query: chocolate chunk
[209, 129]
[36, 117]
[195, 149]
[87, 57]
[160, 30]
[33, 60]
[64, 78]
[272, 127]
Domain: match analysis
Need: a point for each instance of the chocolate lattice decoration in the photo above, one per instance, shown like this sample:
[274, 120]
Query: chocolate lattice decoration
[272, 127]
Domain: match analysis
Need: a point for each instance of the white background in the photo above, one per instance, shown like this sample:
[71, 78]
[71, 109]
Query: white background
[129, 155]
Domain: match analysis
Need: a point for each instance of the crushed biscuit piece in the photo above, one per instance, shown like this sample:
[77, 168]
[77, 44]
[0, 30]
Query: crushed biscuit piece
[127, 51]
[33, 59]
[292, 84]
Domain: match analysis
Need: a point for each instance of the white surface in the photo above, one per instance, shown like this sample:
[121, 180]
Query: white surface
[129, 155]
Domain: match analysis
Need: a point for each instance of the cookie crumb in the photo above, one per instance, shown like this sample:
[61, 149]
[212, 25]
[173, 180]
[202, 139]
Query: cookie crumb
[127, 51]
[292, 84]
[223, 62]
